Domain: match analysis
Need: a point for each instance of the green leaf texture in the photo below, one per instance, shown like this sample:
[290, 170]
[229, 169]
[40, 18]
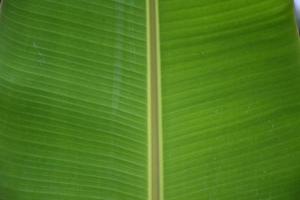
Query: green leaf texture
[73, 100]
[230, 99]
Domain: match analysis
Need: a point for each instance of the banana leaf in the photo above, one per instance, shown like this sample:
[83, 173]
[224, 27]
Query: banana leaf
[149, 99]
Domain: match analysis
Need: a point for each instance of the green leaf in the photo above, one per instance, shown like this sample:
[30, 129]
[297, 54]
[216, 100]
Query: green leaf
[149, 99]
[230, 99]
[73, 100]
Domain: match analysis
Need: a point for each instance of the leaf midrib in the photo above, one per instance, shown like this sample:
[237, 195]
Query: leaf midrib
[154, 103]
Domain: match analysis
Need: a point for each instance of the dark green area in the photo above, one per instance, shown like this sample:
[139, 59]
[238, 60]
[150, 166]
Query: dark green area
[73, 110]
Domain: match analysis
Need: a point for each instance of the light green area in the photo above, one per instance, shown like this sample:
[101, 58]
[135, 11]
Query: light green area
[73, 100]
[230, 100]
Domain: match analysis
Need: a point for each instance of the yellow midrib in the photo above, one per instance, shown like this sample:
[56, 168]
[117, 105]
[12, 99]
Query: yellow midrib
[154, 103]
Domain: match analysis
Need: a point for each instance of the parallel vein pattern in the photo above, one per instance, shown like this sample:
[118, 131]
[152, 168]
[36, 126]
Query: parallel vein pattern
[73, 107]
[230, 99]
